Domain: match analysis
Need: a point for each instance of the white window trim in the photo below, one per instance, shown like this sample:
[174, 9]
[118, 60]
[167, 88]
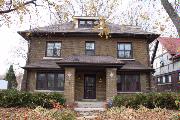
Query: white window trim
[52, 58]
[127, 59]
[48, 91]
[164, 84]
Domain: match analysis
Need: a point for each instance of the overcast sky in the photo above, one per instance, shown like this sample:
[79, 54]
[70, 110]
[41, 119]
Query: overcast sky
[10, 40]
[3, 84]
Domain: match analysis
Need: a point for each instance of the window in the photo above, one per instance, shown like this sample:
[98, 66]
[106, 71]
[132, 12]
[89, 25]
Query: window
[50, 81]
[88, 23]
[161, 79]
[179, 77]
[128, 83]
[53, 49]
[166, 78]
[90, 48]
[124, 50]
[170, 79]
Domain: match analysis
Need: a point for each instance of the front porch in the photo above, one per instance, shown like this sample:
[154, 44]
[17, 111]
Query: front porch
[90, 84]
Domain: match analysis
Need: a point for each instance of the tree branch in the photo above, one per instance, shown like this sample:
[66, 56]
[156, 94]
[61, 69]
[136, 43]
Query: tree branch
[172, 14]
[16, 8]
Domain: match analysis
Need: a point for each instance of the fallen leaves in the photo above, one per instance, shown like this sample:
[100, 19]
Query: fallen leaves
[142, 113]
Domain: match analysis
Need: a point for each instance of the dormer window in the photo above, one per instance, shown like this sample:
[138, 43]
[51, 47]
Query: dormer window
[87, 23]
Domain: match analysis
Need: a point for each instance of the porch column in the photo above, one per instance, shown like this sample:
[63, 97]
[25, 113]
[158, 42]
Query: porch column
[111, 83]
[69, 87]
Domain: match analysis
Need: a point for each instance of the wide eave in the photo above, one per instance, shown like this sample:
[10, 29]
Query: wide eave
[68, 30]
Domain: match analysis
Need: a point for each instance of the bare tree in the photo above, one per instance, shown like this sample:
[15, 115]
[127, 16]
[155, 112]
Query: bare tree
[172, 13]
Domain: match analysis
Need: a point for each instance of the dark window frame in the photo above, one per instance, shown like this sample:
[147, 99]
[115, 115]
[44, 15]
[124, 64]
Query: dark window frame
[86, 25]
[131, 51]
[54, 45]
[124, 85]
[56, 88]
[90, 50]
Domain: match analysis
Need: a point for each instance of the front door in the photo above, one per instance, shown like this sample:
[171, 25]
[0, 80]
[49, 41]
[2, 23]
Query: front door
[90, 86]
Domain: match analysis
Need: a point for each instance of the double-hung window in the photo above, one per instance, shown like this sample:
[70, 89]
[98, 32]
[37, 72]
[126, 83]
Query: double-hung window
[53, 49]
[124, 50]
[90, 48]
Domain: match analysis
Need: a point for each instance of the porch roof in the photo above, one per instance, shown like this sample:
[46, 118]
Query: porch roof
[131, 65]
[43, 64]
[97, 61]
[84, 60]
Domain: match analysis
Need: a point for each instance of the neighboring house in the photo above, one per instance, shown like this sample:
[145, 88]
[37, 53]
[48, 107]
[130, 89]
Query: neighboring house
[74, 60]
[167, 64]
[3, 84]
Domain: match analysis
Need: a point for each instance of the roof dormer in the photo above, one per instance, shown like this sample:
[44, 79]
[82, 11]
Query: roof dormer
[85, 22]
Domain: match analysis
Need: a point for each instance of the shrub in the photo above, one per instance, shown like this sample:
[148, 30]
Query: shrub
[14, 98]
[149, 100]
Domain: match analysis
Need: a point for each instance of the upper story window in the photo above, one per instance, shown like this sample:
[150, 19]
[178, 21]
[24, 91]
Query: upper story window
[124, 50]
[87, 23]
[90, 48]
[50, 81]
[53, 49]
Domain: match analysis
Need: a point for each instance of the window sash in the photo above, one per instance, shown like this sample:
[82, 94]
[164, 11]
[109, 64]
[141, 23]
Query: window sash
[53, 49]
[90, 48]
[128, 83]
[53, 83]
[124, 50]
[87, 23]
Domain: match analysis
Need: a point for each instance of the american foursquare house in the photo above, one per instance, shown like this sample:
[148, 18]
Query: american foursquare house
[72, 59]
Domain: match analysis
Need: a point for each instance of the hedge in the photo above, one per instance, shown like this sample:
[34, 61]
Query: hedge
[149, 100]
[14, 98]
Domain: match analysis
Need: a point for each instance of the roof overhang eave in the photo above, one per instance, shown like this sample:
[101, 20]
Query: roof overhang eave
[67, 64]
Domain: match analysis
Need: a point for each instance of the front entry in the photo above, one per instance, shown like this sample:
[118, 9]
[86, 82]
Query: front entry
[90, 86]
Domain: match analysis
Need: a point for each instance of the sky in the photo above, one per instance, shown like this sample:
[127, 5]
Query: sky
[3, 84]
[10, 40]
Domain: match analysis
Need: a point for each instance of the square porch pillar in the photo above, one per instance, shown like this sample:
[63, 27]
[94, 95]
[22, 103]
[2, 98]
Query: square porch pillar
[69, 86]
[111, 83]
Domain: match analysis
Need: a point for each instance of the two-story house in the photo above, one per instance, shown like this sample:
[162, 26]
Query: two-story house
[74, 60]
[166, 63]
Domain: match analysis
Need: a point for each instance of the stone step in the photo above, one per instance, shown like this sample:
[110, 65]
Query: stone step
[90, 104]
[89, 109]
[91, 117]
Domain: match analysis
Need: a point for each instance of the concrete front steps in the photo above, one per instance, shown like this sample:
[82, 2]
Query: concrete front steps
[89, 110]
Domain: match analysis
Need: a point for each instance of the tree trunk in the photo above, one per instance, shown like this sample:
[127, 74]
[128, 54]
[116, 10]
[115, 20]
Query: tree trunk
[172, 14]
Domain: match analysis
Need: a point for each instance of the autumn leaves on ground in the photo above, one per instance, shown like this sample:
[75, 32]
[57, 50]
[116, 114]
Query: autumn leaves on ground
[67, 114]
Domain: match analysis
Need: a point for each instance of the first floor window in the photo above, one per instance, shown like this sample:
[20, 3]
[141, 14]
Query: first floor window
[50, 81]
[179, 77]
[128, 82]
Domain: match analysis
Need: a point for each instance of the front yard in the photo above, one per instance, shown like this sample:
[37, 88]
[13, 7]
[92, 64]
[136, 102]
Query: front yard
[16, 105]
[114, 113]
